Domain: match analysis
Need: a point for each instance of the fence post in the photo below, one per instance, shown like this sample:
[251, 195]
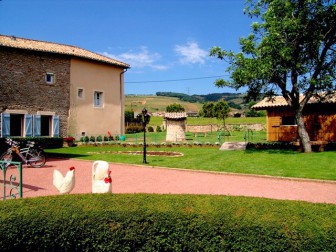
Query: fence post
[12, 184]
[220, 137]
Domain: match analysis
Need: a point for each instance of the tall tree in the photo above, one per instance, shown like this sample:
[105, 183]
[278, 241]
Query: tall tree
[291, 51]
[175, 107]
[221, 111]
[207, 109]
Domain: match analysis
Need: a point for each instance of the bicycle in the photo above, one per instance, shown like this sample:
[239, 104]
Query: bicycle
[31, 154]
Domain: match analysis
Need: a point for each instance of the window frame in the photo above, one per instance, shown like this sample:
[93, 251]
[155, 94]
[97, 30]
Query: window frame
[46, 125]
[98, 102]
[286, 121]
[81, 97]
[52, 78]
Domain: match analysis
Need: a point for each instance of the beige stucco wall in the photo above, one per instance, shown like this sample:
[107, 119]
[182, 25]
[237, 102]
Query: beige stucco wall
[84, 117]
[176, 130]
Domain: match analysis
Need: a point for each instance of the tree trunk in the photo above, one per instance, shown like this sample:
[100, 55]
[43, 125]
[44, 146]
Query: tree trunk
[303, 134]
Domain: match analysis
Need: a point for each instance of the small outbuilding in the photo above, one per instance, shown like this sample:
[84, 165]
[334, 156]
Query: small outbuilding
[319, 116]
[176, 126]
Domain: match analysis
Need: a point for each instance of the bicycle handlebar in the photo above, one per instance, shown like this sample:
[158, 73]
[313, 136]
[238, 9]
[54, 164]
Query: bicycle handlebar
[11, 142]
[30, 144]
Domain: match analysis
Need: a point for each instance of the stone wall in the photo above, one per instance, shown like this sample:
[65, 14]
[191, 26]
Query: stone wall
[230, 127]
[23, 85]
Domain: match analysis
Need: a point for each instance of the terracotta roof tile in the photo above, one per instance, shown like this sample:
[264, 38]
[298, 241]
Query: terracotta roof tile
[176, 115]
[43, 46]
[279, 101]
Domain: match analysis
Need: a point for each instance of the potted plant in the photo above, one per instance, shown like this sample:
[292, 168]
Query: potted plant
[69, 140]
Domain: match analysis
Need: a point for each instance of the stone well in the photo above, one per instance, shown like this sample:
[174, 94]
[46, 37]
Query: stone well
[176, 126]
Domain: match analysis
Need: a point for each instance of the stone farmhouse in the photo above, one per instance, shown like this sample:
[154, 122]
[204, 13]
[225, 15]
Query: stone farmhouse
[50, 89]
[319, 116]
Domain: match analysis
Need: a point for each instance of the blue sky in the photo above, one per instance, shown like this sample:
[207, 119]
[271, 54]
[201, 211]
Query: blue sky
[162, 40]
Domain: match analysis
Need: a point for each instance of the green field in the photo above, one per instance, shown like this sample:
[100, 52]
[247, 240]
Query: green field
[156, 103]
[159, 103]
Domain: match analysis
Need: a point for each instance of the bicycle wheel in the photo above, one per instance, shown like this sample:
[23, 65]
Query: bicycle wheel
[7, 156]
[36, 158]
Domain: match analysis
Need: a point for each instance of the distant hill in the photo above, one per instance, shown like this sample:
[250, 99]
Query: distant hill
[235, 100]
[159, 102]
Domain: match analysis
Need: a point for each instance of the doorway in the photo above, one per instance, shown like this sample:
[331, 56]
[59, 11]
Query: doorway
[46, 125]
[16, 124]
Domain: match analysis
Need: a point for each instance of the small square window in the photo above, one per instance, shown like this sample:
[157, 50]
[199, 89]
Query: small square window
[50, 78]
[80, 93]
[288, 120]
[98, 99]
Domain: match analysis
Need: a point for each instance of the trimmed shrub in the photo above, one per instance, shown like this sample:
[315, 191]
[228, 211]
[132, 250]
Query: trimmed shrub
[158, 129]
[133, 129]
[129, 116]
[116, 222]
[271, 146]
[150, 129]
[84, 139]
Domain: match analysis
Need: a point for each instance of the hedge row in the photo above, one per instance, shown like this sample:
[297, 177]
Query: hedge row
[44, 142]
[141, 222]
[285, 146]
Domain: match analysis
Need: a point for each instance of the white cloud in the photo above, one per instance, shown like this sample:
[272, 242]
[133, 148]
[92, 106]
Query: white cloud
[191, 53]
[140, 59]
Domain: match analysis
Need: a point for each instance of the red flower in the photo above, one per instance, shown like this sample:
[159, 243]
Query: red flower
[68, 139]
[72, 168]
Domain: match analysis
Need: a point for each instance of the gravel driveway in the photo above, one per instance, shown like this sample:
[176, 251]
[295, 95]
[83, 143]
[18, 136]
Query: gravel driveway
[145, 179]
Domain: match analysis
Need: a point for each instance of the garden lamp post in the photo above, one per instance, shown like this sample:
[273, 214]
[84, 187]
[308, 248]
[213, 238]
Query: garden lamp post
[144, 118]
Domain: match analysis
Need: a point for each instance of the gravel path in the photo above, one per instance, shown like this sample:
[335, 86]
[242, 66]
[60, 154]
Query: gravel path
[144, 179]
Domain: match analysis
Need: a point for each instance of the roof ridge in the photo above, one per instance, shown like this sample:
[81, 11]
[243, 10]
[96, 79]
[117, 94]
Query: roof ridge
[37, 40]
[53, 47]
[279, 100]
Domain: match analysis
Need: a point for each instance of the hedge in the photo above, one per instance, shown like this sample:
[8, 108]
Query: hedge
[285, 146]
[44, 142]
[140, 222]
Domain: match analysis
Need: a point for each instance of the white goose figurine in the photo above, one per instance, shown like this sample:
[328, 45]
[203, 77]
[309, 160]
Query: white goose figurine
[101, 177]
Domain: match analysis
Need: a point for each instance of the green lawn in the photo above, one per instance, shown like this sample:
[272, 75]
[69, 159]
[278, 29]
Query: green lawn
[211, 137]
[317, 165]
[158, 120]
[229, 120]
